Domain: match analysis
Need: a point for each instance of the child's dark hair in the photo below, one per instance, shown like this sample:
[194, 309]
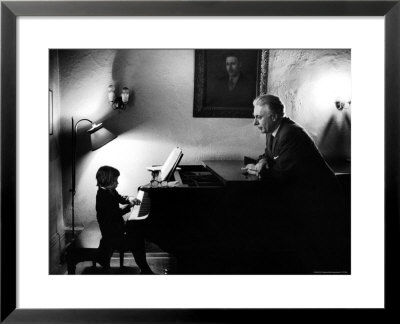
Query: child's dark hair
[106, 175]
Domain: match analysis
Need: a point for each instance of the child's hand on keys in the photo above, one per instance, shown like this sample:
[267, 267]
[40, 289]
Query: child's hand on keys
[134, 201]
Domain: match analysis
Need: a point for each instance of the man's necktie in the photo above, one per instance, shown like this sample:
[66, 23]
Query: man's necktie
[271, 142]
[231, 84]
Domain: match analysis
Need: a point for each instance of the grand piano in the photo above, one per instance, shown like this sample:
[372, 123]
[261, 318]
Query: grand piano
[208, 222]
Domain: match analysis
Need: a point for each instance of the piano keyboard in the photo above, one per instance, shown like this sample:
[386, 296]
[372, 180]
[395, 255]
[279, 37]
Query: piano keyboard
[140, 212]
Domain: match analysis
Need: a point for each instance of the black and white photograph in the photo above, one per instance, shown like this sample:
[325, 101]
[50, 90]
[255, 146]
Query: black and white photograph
[191, 161]
[140, 186]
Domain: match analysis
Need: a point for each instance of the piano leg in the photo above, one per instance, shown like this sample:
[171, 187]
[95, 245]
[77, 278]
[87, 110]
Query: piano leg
[71, 268]
[121, 258]
[135, 242]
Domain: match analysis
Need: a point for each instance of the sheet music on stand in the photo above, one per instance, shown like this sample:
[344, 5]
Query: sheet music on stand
[169, 166]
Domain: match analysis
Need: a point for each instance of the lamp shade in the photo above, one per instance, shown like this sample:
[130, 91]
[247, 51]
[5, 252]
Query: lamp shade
[100, 137]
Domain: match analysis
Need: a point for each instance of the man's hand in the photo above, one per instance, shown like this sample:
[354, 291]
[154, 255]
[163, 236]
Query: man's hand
[250, 169]
[256, 168]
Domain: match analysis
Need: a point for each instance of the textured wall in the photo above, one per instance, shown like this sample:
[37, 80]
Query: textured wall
[309, 82]
[159, 114]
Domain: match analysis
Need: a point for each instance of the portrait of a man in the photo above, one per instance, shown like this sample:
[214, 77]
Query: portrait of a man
[226, 82]
[234, 88]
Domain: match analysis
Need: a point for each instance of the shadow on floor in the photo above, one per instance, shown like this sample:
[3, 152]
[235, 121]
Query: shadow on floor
[113, 271]
[160, 263]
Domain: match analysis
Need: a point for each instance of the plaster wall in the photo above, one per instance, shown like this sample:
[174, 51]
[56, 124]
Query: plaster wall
[160, 113]
[310, 82]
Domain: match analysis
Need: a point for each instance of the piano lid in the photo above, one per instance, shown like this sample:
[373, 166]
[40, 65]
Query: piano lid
[229, 171]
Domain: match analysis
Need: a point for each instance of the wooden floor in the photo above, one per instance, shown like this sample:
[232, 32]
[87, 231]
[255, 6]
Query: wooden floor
[159, 262]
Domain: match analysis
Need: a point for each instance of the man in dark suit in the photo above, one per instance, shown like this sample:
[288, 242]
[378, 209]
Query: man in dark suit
[304, 186]
[232, 90]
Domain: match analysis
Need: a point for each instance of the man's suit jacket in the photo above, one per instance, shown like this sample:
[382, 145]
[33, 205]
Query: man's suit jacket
[310, 193]
[294, 157]
[219, 95]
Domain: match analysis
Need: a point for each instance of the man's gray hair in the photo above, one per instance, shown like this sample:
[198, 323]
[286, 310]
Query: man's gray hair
[273, 102]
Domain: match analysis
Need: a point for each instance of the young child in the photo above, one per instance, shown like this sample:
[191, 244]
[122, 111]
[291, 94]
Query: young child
[111, 222]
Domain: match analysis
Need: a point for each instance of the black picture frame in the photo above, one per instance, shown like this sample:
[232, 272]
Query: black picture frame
[11, 10]
[212, 97]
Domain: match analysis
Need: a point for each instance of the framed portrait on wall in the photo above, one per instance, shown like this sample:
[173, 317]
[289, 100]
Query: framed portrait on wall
[227, 81]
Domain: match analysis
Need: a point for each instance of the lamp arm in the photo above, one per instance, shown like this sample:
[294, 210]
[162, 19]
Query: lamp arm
[80, 120]
[74, 133]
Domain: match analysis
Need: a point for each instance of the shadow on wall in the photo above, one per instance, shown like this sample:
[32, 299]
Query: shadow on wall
[117, 122]
[123, 71]
[123, 75]
[54, 148]
[335, 142]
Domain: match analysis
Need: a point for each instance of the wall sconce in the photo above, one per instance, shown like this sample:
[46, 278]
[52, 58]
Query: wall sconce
[340, 105]
[118, 103]
[99, 136]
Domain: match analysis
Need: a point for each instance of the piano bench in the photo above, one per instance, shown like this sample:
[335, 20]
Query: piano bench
[85, 248]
